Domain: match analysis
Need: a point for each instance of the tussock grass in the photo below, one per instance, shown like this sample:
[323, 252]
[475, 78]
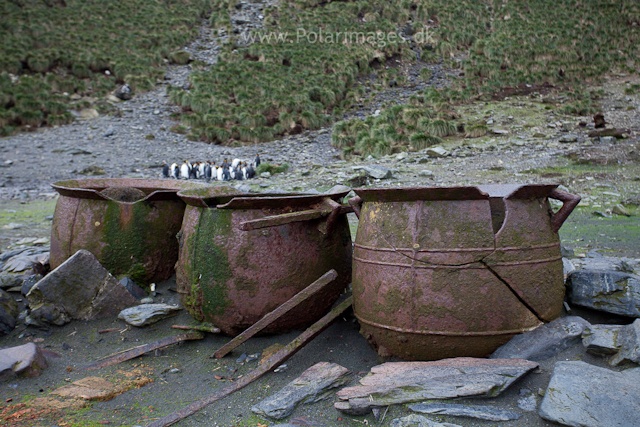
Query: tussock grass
[295, 82]
[396, 129]
[57, 49]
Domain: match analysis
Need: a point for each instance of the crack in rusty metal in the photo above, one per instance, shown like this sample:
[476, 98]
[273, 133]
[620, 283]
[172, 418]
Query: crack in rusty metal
[513, 291]
[479, 261]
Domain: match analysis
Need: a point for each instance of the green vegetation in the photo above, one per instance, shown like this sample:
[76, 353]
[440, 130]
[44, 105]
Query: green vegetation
[292, 77]
[508, 44]
[395, 129]
[272, 169]
[300, 71]
[57, 50]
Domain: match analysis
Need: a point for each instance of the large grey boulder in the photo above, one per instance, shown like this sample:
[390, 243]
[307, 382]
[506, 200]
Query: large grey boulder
[405, 382]
[610, 291]
[628, 340]
[80, 288]
[583, 395]
[26, 360]
[311, 386]
[545, 341]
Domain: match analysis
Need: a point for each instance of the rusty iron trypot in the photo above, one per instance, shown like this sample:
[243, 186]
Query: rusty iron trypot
[243, 255]
[130, 225]
[444, 272]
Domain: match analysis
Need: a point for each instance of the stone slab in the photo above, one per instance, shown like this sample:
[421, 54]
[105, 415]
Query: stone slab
[545, 341]
[82, 288]
[580, 394]
[314, 384]
[415, 420]
[146, 314]
[405, 382]
[628, 340]
[609, 291]
[26, 360]
[601, 339]
[481, 412]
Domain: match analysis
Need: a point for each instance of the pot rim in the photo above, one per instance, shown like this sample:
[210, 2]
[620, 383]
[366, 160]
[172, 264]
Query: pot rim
[471, 192]
[224, 197]
[90, 188]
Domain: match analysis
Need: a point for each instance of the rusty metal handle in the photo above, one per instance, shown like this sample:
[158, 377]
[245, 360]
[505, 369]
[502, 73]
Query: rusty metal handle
[569, 202]
[356, 204]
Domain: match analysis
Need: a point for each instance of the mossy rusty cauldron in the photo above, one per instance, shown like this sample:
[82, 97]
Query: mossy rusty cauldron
[244, 255]
[130, 225]
[444, 272]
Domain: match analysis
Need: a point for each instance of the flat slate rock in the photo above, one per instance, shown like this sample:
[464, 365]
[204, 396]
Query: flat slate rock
[580, 394]
[436, 152]
[82, 289]
[545, 341]
[377, 171]
[405, 382]
[147, 314]
[415, 420]
[601, 339]
[312, 385]
[25, 258]
[26, 360]
[629, 341]
[10, 281]
[610, 291]
[527, 401]
[481, 412]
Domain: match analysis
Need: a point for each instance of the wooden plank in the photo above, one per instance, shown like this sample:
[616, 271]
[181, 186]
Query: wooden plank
[273, 221]
[271, 363]
[301, 296]
[119, 357]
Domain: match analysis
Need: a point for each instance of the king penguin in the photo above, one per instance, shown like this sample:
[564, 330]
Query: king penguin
[185, 170]
[165, 170]
[174, 170]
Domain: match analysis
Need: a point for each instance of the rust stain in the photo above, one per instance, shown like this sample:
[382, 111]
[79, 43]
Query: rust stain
[457, 271]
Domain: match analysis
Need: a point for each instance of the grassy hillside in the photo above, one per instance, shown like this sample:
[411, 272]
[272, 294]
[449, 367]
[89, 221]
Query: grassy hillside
[54, 49]
[498, 44]
[301, 70]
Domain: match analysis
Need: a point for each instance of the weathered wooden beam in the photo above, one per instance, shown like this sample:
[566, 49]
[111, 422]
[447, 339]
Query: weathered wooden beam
[121, 356]
[276, 220]
[269, 318]
[269, 364]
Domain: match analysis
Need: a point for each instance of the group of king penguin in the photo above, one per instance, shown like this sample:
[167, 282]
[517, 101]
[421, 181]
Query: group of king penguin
[227, 171]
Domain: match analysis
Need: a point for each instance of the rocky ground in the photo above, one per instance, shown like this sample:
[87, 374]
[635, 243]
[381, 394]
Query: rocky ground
[528, 143]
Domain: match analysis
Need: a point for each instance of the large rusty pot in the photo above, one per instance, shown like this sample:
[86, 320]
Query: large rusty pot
[242, 256]
[445, 272]
[130, 225]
